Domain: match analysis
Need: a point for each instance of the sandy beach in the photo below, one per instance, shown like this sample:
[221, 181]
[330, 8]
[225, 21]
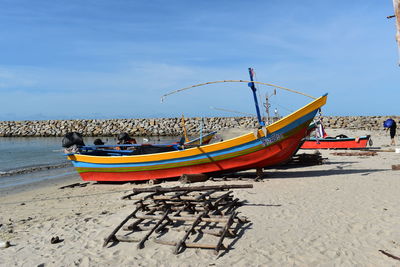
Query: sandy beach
[340, 213]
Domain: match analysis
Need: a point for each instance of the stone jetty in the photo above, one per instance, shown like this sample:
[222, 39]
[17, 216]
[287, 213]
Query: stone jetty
[165, 126]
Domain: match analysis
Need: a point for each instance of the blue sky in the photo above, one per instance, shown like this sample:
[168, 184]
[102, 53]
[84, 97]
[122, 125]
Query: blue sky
[115, 59]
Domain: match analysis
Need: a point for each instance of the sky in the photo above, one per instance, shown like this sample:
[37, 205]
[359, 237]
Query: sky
[70, 59]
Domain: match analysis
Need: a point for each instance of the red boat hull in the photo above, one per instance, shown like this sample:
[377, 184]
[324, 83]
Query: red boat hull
[269, 156]
[341, 143]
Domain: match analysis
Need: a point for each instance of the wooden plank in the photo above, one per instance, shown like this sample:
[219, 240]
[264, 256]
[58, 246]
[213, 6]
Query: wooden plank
[123, 238]
[179, 195]
[74, 185]
[183, 218]
[134, 225]
[215, 232]
[215, 202]
[366, 153]
[193, 178]
[112, 235]
[206, 194]
[389, 255]
[396, 167]
[181, 242]
[141, 243]
[147, 197]
[227, 226]
[130, 195]
[164, 225]
[136, 228]
[228, 206]
[192, 188]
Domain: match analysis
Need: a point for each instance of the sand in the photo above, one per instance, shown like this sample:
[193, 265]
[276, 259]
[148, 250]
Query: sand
[340, 213]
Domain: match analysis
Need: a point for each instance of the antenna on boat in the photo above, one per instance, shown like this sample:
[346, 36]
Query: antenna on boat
[267, 105]
[254, 89]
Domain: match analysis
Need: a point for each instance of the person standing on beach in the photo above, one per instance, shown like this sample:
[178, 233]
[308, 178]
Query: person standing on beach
[393, 133]
[390, 124]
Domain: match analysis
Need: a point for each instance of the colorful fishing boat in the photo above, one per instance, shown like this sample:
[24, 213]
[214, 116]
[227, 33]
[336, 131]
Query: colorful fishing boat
[271, 145]
[267, 146]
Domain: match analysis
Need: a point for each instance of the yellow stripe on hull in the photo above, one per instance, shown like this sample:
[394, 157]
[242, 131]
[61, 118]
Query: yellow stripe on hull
[165, 155]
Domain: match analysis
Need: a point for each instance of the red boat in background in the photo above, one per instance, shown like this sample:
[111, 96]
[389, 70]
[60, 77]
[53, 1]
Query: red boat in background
[323, 141]
[339, 142]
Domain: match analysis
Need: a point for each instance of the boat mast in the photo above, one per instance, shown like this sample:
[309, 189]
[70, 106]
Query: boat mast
[254, 89]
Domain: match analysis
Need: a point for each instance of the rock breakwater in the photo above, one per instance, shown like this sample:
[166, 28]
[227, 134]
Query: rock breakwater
[164, 126]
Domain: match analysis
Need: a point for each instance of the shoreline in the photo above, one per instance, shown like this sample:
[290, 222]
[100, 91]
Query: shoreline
[18, 183]
[35, 168]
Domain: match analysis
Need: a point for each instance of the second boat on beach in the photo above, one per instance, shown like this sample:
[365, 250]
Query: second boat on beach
[337, 143]
[323, 141]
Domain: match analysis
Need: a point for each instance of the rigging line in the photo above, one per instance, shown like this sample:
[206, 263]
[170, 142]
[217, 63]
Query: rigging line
[260, 100]
[233, 111]
[237, 81]
[283, 107]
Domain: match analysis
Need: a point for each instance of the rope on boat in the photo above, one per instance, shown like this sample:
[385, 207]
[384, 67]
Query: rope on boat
[234, 81]
[233, 111]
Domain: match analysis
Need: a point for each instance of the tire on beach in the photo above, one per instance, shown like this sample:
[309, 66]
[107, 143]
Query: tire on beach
[72, 138]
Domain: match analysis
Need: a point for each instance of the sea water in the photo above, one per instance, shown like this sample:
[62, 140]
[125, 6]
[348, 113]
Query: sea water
[29, 152]
[22, 155]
